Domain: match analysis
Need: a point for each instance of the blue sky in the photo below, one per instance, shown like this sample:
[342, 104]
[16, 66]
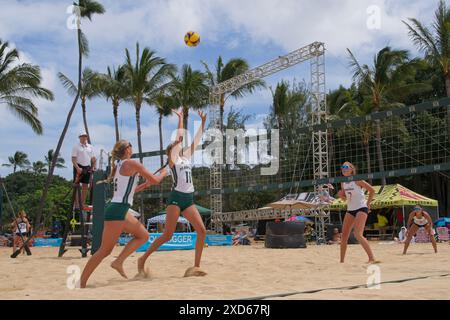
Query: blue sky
[256, 30]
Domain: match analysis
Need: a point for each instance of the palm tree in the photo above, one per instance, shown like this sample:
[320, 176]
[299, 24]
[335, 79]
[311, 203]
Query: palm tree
[145, 78]
[113, 87]
[86, 9]
[388, 78]
[39, 167]
[190, 91]
[19, 83]
[435, 44]
[289, 106]
[19, 159]
[90, 88]
[60, 162]
[232, 68]
[350, 103]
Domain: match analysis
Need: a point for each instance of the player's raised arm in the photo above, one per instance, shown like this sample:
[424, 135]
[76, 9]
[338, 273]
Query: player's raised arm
[189, 151]
[180, 129]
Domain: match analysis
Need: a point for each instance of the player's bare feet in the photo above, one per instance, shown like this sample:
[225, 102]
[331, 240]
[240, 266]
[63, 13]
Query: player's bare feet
[143, 274]
[373, 262]
[119, 268]
[141, 265]
[195, 272]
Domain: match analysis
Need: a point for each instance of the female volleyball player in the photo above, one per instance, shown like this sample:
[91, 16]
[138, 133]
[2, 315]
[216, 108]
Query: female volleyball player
[22, 229]
[181, 199]
[124, 175]
[357, 210]
[418, 218]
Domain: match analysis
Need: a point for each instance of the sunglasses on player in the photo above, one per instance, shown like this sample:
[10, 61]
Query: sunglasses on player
[345, 167]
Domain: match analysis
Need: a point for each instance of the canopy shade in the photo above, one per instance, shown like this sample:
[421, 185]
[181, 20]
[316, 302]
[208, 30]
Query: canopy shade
[292, 204]
[203, 211]
[162, 219]
[391, 196]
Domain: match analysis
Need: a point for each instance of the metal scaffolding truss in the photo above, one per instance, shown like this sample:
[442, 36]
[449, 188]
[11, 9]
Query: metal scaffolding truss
[316, 49]
[265, 214]
[315, 53]
[216, 167]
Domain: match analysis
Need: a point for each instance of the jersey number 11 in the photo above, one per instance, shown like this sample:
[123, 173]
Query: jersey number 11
[188, 177]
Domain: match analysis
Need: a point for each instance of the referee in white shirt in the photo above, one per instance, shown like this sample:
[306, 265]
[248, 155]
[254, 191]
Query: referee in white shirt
[84, 163]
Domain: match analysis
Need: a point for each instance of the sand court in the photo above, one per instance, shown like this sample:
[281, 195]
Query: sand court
[236, 273]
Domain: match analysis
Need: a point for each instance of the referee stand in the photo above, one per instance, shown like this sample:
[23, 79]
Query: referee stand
[77, 232]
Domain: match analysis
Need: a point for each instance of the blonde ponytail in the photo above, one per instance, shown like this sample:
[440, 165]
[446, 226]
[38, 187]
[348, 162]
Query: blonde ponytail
[116, 154]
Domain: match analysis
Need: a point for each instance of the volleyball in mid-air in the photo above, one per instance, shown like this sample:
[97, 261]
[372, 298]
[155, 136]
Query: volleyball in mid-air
[192, 38]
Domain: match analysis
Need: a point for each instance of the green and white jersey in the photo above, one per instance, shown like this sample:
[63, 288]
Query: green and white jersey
[124, 186]
[181, 174]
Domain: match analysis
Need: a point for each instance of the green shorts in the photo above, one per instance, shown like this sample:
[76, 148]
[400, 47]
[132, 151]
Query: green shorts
[181, 200]
[115, 211]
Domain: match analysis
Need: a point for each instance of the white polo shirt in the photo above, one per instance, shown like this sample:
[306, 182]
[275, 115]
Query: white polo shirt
[83, 153]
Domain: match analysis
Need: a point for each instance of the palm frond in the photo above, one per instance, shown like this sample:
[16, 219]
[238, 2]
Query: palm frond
[209, 74]
[89, 8]
[361, 73]
[84, 44]
[24, 113]
[71, 88]
[422, 37]
[249, 88]
[441, 26]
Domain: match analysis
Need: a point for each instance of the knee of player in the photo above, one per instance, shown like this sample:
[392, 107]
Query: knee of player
[166, 236]
[104, 252]
[201, 232]
[144, 237]
[359, 236]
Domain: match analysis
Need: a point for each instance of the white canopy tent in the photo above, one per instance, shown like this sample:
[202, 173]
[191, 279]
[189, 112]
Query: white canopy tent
[162, 219]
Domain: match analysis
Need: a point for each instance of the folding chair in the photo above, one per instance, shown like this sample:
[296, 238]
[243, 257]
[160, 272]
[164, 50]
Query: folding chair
[443, 234]
[422, 236]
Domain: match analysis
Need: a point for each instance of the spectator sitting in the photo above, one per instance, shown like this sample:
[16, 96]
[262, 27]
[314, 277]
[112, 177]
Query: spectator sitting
[236, 236]
[382, 222]
[402, 236]
[240, 238]
[336, 237]
[243, 239]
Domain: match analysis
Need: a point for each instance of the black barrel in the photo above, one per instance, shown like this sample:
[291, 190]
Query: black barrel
[285, 235]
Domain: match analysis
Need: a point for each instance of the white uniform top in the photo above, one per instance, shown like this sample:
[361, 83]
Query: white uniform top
[22, 227]
[355, 196]
[181, 174]
[83, 153]
[421, 222]
[124, 186]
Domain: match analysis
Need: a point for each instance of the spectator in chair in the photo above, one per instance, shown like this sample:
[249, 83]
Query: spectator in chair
[336, 239]
[402, 236]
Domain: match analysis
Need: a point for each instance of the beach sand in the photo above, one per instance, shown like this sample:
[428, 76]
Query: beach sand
[236, 273]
